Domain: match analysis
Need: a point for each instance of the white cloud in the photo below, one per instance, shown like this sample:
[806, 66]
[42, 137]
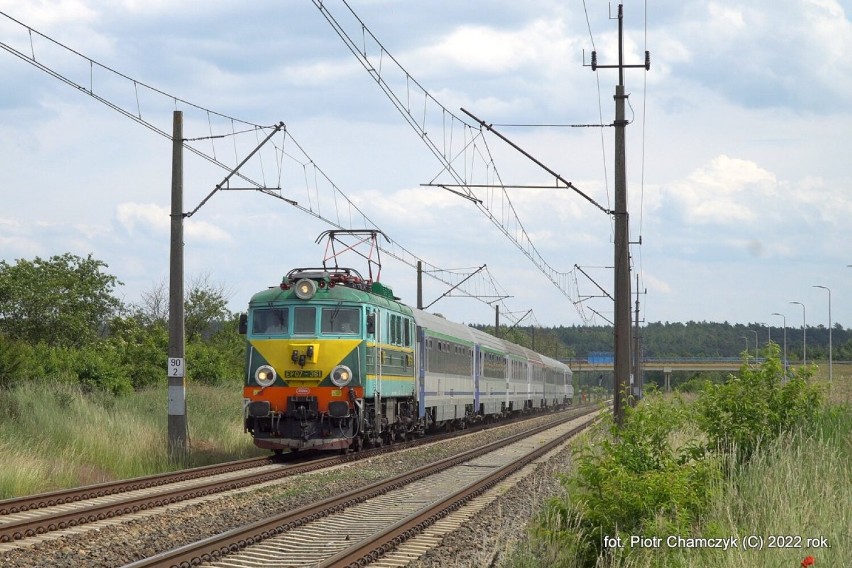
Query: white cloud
[726, 191]
[156, 218]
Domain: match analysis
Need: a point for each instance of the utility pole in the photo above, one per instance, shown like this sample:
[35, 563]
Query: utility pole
[178, 438]
[496, 320]
[622, 377]
[419, 284]
[637, 358]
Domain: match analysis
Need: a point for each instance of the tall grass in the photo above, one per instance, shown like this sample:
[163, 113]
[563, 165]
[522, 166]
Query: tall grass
[799, 485]
[53, 435]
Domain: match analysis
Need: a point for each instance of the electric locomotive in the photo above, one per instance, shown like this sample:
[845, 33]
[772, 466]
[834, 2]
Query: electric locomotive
[324, 349]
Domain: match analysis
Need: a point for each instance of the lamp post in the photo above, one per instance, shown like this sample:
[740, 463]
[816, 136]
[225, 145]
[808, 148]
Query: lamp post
[755, 344]
[804, 335]
[830, 370]
[785, 340]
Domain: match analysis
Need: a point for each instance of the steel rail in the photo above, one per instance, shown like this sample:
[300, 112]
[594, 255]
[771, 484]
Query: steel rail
[373, 548]
[29, 527]
[53, 498]
[218, 546]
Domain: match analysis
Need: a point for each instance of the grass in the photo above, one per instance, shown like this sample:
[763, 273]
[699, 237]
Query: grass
[52, 435]
[839, 389]
[799, 486]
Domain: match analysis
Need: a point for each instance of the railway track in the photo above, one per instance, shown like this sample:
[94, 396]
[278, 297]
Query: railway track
[361, 526]
[37, 515]
[31, 516]
[42, 500]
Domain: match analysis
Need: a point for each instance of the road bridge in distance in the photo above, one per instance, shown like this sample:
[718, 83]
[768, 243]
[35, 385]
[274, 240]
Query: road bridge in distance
[667, 365]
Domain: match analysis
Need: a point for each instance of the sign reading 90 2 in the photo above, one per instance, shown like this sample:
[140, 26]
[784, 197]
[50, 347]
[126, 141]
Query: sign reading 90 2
[176, 367]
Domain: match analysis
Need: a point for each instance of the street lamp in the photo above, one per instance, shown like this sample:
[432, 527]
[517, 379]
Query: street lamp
[830, 370]
[785, 340]
[804, 336]
[755, 344]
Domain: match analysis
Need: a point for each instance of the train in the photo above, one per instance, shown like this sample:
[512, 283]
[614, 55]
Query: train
[335, 361]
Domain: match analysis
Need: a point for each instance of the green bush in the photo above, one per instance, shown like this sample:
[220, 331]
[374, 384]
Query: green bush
[99, 367]
[693, 385]
[143, 350]
[13, 362]
[635, 481]
[757, 405]
[212, 364]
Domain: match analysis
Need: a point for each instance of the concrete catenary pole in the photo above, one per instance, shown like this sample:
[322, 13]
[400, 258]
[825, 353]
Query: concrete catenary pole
[177, 426]
[622, 260]
[419, 285]
[496, 320]
[622, 375]
[637, 359]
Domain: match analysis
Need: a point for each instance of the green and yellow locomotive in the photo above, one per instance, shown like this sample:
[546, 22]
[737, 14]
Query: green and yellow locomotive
[324, 349]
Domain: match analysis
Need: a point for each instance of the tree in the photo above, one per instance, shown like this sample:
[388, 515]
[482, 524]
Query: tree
[153, 306]
[66, 300]
[205, 306]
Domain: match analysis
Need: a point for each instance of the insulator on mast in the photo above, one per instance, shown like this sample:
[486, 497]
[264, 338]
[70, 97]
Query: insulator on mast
[594, 60]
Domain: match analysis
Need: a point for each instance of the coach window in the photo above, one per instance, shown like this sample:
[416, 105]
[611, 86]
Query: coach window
[305, 320]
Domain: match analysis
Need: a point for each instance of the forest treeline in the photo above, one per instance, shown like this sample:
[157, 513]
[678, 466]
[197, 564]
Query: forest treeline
[690, 339]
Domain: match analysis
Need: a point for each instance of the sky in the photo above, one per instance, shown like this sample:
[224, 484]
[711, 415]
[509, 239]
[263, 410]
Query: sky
[737, 148]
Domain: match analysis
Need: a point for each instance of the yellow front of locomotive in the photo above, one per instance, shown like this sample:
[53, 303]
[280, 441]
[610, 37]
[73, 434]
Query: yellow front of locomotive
[305, 363]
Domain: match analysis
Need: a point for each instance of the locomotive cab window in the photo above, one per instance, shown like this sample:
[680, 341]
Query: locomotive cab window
[305, 320]
[341, 321]
[270, 321]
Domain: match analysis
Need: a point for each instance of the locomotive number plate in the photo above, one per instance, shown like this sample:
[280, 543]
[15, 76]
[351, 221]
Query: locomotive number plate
[312, 374]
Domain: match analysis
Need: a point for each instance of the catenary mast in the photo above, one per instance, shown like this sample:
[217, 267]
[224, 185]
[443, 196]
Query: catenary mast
[622, 379]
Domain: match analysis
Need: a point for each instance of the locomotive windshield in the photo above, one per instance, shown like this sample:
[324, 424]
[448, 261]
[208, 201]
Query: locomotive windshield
[269, 321]
[305, 320]
[334, 320]
[341, 321]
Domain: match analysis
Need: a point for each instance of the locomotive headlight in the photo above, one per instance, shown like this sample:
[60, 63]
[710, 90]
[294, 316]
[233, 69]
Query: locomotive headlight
[305, 289]
[265, 375]
[341, 375]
